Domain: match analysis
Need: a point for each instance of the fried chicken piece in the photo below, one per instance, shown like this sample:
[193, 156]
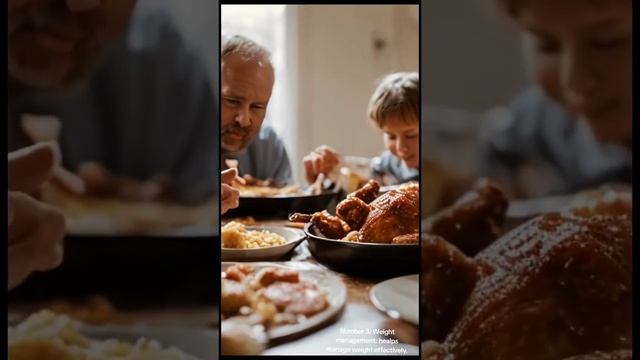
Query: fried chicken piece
[448, 277]
[368, 192]
[353, 211]
[604, 201]
[411, 190]
[432, 350]
[300, 218]
[472, 222]
[598, 355]
[329, 225]
[410, 186]
[406, 239]
[560, 286]
[353, 236]
[393, 213]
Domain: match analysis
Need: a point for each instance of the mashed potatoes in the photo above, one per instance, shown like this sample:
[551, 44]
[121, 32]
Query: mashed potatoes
[46, 335]
[236, 236]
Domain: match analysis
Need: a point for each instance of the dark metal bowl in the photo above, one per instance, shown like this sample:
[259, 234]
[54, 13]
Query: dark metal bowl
[363, 259]
[281, 206]
[132, 271]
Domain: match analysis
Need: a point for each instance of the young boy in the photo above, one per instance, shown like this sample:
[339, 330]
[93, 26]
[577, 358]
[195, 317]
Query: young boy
[394, 108]
[572, 130]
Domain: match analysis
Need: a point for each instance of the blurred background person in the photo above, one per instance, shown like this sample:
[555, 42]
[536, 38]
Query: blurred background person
[568, 128]
[133, 103]
[572, 129]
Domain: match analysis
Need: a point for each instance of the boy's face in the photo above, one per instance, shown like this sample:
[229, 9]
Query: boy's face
[245, 89]
[402, 138]
[582, 59]
[56, 43]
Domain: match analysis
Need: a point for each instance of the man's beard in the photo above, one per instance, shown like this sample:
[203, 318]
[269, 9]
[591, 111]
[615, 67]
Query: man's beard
[52, 77]
[49, 72]
[236, 146]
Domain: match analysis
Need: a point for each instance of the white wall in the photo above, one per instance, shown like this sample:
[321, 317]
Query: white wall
[471, 54]
[471, 63]
[338, 65]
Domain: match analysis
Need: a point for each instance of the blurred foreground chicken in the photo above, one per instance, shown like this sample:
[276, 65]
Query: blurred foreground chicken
[557, 287]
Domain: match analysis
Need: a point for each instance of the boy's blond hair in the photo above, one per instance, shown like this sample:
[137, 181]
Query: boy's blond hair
[397, 95]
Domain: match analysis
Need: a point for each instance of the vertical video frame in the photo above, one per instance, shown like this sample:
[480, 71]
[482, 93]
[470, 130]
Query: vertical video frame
[113, 180]
[527, 192]
[320, 192]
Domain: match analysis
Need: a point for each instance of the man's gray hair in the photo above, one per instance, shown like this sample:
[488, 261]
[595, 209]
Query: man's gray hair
[243, 46]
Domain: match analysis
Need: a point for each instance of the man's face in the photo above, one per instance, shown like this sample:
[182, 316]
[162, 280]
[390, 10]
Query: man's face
[53, 44]
[246, 89]
[582, 59]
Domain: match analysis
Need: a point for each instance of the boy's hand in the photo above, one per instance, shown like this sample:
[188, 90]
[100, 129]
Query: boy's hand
[229, 195]
[322, 160]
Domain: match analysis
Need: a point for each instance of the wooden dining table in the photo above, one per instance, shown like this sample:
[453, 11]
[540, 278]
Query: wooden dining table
[360, 328]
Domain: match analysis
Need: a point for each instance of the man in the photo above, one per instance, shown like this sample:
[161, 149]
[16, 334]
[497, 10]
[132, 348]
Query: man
[133, 102]
[572, 130]
[247, 78]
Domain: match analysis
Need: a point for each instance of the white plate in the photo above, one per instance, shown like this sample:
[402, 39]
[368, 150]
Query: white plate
[201, 343]
[332, 284]
[294, 238]
[398, 298]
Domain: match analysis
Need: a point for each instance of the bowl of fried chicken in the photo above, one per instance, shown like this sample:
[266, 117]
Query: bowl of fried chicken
[371, 234]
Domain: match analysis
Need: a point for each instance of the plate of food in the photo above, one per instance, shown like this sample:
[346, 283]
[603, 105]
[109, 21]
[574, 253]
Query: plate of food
[398, 297]
[263, 197]
[283, 204]
[257, 243]
[372, 234]
[47, 335]
[284, 300]
[112, 216]
[121, 243]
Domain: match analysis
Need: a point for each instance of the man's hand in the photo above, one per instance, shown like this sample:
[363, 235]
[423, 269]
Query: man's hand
[36, 230]
[322, 160]
[31, 166]
[230, 196]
